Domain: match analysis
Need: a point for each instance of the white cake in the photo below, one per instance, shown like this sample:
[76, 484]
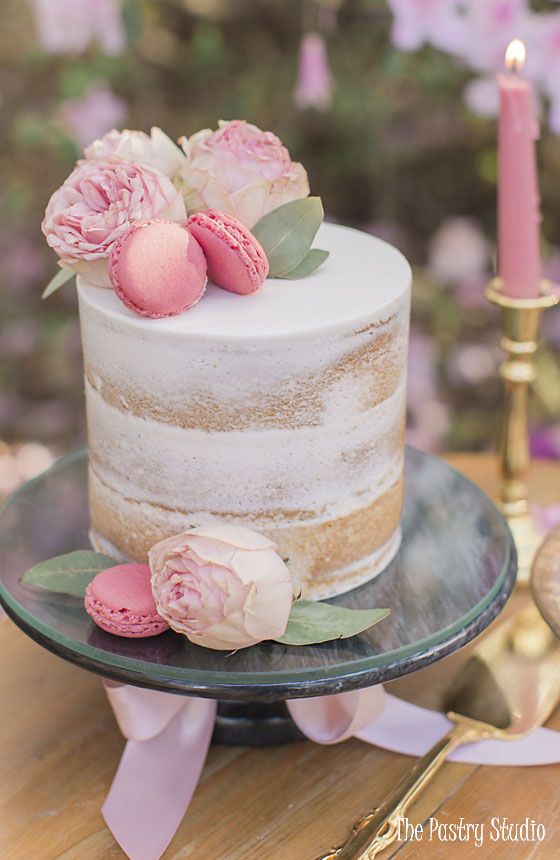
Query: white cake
[283, 410]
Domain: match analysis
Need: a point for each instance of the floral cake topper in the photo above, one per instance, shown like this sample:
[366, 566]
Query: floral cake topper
[238, 172]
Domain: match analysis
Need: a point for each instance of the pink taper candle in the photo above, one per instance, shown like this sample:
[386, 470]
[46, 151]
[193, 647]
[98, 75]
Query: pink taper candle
[519, 254]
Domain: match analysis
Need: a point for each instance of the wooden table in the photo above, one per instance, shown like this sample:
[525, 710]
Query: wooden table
[60, 746]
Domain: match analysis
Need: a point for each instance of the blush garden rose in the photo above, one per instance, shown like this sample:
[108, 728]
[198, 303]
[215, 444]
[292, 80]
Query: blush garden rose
[155, 150]
[223, 587]
[240, 170]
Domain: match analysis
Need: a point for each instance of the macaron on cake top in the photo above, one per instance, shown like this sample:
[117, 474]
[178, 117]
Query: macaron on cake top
[120, 601]
[158, 269]
[236, 261]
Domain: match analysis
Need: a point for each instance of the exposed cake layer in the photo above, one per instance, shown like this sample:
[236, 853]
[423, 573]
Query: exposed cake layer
[326, 555]
[283, 410]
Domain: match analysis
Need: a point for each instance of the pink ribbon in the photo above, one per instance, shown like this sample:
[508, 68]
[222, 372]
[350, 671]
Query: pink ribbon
[168, 739]
[169, 736]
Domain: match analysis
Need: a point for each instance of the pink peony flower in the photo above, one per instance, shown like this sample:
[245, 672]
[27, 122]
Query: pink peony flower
[223, 587]
[92, 115]
[70, 26]
[97, 204]
[154, 150]
[313, 88]
[240, 170]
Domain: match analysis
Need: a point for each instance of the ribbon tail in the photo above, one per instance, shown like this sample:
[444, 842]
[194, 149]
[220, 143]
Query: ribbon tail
[409, 729]
[542, 746]
[156, 780]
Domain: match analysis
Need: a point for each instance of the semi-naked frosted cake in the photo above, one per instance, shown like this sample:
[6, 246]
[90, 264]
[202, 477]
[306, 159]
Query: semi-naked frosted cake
[283, 411]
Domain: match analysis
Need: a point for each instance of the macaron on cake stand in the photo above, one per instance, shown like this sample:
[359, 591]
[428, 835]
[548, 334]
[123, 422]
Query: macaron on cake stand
[453, 573]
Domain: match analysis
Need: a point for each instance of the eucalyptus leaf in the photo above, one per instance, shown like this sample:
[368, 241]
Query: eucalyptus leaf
[57, 282]
[286, 234]
[68, 574]
[311, 622]
[315, 258]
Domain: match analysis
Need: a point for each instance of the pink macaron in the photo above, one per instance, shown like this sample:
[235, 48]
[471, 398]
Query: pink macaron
[120, 601]
[158, 269]
[236, 260]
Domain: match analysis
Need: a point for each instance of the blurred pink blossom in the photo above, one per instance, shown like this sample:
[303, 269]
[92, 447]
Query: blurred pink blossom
[422, 369]
[429, 427]
[429, 417]
[12, 406]
[90, 117]
[547, 517]
[481, 96]
[314, 85]
[70, 26]
[21, 264]
[459, 250]
[543, 55]
[18, 339]
[438, 22]
[470, 293]
[490, 27]
[545, 442]
[478, 32]
[471, 363]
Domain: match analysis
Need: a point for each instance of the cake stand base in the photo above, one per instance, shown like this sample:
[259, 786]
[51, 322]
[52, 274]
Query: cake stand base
[254, 724]
[453, 573]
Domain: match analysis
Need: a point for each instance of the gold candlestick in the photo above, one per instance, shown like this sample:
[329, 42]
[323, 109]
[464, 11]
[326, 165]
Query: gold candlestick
[520, 319]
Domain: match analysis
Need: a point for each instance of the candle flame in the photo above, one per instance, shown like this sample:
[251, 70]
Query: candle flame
[515, 55]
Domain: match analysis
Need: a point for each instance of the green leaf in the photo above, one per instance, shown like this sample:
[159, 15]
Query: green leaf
[286, 234]
[312, 622]
[68, 574]
[56, 283]
[312, 261]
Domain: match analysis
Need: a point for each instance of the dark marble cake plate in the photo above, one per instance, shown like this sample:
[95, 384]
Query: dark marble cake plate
[453, 573]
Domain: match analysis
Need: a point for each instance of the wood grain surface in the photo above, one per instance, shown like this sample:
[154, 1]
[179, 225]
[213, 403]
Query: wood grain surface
[59, 747]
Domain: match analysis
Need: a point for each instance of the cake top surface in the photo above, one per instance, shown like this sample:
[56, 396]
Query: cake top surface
[362, 279]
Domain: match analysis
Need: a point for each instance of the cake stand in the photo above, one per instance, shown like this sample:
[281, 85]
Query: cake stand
[454, 572]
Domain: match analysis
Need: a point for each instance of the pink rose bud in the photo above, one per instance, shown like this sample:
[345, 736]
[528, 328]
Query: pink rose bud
[223, 587]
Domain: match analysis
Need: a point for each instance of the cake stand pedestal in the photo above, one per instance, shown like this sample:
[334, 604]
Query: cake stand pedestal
[454, 572]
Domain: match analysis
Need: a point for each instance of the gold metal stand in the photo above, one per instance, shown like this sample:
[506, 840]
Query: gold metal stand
[520, 320]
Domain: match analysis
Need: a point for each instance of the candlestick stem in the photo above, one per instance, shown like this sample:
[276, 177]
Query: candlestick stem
[520, 319]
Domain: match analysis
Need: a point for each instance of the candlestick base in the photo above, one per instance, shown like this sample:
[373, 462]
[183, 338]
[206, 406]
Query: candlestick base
[520, 319]
[528, 539]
